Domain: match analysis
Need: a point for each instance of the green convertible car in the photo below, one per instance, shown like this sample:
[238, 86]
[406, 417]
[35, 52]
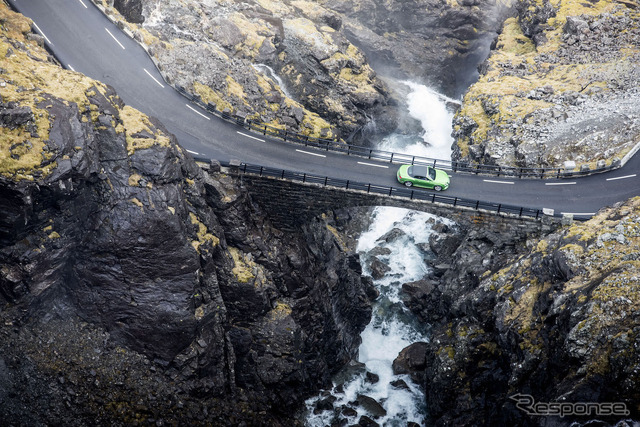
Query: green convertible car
[423, 176]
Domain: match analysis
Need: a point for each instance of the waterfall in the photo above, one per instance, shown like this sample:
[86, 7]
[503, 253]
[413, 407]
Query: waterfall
[270, 73]
[399, 238]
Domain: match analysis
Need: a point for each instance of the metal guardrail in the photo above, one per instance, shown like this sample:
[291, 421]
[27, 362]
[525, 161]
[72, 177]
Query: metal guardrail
[410, 194]
[356, 150]
[389, 156]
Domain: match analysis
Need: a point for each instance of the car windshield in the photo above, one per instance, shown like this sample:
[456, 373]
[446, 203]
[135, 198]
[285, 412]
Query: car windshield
[431, 173]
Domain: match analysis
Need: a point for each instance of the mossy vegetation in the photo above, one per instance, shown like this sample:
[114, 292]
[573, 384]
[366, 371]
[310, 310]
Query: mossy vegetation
[518, 67]
[601, 290]
[140, 133]
[203, 234]
[28, 80]
[244, 266]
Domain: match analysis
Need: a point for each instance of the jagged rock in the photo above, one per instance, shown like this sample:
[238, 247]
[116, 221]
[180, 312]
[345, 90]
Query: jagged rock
[541, 315]
[392, 235]
[371, 405]
[372, 378]
[325, 404]
[412, 360]
[401, 384]
[549, 119]
[378, 269]
[13, 115]
[365, 421]
[130, 9]
[129, 275]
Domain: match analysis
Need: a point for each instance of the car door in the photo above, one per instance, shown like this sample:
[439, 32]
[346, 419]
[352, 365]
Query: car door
[422, 181]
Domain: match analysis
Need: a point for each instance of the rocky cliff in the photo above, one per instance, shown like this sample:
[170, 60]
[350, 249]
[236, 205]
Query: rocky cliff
[136, 288]
[328, 68]
[560, 85]
[555, 318]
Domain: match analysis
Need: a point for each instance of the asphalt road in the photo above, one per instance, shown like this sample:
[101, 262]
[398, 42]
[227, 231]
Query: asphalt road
[85, 41]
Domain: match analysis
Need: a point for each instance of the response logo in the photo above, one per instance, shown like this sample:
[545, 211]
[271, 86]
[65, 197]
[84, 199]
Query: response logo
[527, 404]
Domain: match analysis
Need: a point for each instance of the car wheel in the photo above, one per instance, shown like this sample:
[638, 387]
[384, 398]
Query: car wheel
[408, 183]
[437, 188]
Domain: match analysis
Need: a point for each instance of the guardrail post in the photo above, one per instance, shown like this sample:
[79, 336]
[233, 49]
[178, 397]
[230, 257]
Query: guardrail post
[499, 206]
[455, 201]
[370, 153]
[411, 198]
[477, 204]
[282, 174]
[390, 190]
[285, 135]
[304, 177]
[521, 211]
[325, 180]
[413, 161]
[391, 159]
[347, 184]
[261, 168]
[368, 188]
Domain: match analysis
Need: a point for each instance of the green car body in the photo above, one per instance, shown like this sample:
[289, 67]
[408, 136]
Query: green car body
[423, 176]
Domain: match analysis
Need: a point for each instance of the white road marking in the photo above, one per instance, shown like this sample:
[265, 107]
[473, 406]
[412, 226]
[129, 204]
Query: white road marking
[43, 35]
[560, 183]
[196, 111]
[193, 152]
[114, 37]
[371, 164]
[154, 79]
[250, 136]
[498, 182]
[82, 3]
[621, 177]
[313, 154]
[70, 67]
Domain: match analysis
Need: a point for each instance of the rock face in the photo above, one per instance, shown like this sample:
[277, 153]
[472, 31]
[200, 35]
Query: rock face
[555, 318]
[560, 85]
[314, 67]
[136, 288]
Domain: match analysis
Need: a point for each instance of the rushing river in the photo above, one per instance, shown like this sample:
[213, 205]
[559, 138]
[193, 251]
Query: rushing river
[399, 238]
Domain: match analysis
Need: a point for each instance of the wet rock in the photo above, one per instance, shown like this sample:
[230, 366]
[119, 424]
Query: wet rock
[352, 369]
[372, 378]
[412, 360]
[378, 269]
[348, 411]
[325, 404]
[365, 421]
[399, 384]
[371, 405]
[392, 235]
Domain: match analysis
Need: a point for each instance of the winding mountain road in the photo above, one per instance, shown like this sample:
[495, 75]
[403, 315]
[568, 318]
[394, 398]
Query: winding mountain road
[86, 41]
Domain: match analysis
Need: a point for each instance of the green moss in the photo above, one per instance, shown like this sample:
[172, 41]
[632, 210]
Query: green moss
[208, 95]
[133, 123]
[204, 236]
[243, 268]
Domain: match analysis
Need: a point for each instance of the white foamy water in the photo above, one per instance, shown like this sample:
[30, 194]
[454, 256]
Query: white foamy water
[269, 72]
[399, 238]
[428, 107]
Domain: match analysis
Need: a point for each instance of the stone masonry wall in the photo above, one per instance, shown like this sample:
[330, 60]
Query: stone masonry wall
[291, 204]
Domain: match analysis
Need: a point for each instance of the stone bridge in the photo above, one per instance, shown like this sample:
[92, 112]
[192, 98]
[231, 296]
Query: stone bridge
[291, 203]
